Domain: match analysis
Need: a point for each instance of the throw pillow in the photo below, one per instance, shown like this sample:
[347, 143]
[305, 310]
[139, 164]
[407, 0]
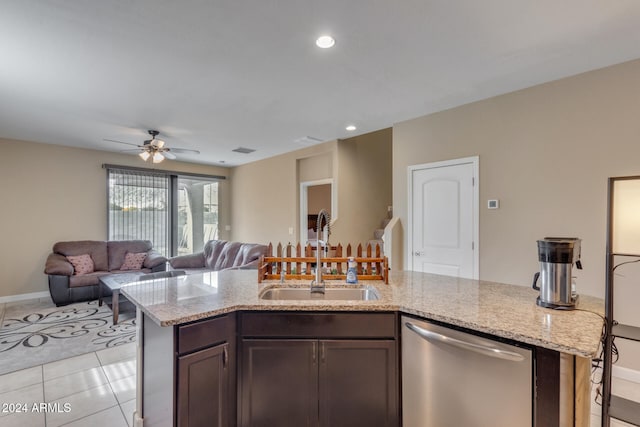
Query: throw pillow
[133, 261]
[82, 264]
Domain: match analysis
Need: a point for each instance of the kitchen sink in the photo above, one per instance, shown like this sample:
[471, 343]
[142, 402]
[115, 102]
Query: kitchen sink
[360, 293]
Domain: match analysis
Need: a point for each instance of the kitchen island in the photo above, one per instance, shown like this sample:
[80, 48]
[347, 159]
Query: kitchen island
[172, 316]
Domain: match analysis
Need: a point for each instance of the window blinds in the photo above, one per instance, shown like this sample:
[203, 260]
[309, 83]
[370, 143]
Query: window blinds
[139, 207]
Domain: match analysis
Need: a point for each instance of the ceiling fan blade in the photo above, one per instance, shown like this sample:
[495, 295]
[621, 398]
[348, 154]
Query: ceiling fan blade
[183, 150]
[120, 142]
[132, 150]
[169, 155]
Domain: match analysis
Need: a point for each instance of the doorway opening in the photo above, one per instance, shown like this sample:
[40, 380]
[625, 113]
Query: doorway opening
[315, 195]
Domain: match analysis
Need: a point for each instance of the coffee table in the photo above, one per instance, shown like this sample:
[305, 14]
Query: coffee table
[114, 282]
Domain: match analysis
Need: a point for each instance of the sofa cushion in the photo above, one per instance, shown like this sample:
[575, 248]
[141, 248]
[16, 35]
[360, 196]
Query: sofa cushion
[227, 256]
[82, 264]
[92, 278]
[248, 253]
[97, 250]
[212, 251]
[119, 248]
[190, 261]
[86, 279]
[133, 260]
[154, 259]
[220, 255]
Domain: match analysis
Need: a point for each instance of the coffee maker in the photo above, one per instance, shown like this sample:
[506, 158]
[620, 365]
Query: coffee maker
[557, 256]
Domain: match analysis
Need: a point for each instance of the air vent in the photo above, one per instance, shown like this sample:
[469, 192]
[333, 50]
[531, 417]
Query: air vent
[307, 140]
[243, 150]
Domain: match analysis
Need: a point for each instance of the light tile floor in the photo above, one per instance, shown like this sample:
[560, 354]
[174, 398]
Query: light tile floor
[92, 390]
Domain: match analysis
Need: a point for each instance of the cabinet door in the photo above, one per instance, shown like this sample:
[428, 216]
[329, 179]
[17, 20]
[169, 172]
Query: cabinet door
[358, 383]
[203, 384]
[279, 383]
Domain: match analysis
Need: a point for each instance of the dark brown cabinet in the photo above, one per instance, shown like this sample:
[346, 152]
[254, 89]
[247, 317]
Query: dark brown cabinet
[206, 373]
[357, 383]
[323, 374]
[279, 383]
[203, 380]
[290, 369]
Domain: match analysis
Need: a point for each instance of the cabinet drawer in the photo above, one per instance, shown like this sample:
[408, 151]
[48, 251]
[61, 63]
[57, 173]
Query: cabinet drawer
[205, 333]
[318, 325]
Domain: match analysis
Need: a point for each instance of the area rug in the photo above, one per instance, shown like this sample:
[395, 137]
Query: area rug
[32, 335]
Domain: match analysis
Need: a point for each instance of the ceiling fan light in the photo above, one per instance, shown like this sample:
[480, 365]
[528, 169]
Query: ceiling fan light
[325, 42]
[157, 142]
[157, 157]
[144, 155]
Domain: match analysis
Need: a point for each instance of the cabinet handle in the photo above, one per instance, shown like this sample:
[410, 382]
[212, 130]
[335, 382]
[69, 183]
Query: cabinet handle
[322, 352]
[225, 356]
[313, 352]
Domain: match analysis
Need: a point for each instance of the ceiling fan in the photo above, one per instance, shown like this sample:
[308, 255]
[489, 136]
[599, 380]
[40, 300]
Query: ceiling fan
[154, 148]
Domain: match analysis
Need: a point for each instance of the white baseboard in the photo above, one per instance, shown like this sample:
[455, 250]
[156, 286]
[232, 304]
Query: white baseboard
[22, 297]
[626, 374]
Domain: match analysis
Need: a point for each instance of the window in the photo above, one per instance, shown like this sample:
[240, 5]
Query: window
[197, 213]
[139, 205]
[177, 213]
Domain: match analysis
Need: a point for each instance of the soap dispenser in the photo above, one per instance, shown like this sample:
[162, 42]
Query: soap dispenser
[352, 277]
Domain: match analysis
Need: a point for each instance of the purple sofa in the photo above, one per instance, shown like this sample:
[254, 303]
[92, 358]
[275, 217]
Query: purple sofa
[220, 255]
[107, 256]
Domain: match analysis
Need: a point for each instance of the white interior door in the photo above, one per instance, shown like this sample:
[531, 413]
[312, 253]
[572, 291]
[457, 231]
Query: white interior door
[444, 218]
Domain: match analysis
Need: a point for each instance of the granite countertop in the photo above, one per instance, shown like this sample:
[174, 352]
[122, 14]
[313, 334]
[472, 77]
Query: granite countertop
[507, 311]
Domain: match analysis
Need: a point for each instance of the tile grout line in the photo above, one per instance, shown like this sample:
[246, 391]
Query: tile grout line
[91, 388]
[68, 373]
[23, 387]
[108, 382]
[77, 392]
[44, 398]
[123, 414]
[112, 391]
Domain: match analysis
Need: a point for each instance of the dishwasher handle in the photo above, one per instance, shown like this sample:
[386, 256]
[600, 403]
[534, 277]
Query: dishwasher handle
[477, 348]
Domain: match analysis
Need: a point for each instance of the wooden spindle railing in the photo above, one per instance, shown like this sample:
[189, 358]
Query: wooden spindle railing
[300, 264]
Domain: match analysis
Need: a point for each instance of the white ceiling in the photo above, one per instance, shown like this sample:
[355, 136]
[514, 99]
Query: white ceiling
[214, 75]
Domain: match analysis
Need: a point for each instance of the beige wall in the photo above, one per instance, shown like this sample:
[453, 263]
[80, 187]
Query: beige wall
[316, 166]
[318, 197]
[364, 191]
[265, 199]
[51, 193]
[546, 153]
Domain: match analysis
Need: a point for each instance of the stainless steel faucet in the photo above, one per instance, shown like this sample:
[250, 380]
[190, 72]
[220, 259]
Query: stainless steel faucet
[282, 269]
[317, 285]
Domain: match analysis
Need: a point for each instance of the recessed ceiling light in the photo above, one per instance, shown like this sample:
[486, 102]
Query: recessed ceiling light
[325, 42]
[351, 128]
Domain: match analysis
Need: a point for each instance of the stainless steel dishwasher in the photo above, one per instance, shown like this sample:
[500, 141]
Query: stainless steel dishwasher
[454, 379]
